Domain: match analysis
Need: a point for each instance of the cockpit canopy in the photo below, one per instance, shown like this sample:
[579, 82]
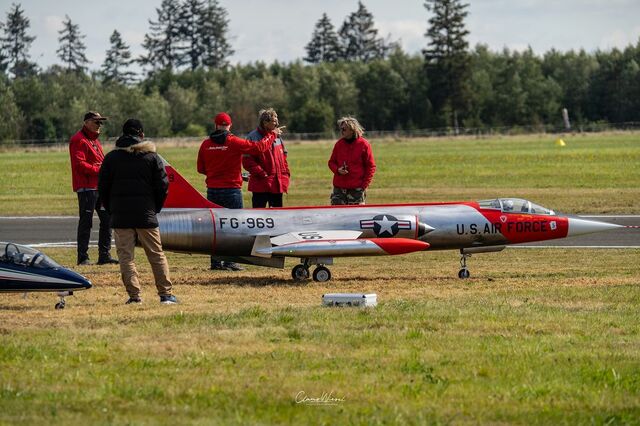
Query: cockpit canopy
[25, 256]
[515, 205]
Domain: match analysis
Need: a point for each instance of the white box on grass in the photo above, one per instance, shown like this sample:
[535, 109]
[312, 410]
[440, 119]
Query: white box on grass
[350, 299]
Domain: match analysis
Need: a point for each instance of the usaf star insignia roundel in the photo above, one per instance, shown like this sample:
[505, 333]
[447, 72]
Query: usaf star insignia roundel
[385, 225]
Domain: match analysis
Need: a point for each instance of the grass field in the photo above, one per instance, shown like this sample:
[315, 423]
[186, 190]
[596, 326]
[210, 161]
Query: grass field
[592, 174]
[536, 336]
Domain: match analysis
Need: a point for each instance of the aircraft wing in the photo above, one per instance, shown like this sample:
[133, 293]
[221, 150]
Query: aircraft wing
[293, 237]
[328, 243]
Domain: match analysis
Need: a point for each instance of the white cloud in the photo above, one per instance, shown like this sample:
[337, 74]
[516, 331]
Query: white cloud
[409, 31]
[53, 24]
[281, 29]
[619, 39]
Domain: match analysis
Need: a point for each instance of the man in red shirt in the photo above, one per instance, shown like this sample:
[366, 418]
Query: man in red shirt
[86, 155]
[220, 159]
[352, 164]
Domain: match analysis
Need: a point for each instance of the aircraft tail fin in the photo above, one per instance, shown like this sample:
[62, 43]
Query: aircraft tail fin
[181, 193]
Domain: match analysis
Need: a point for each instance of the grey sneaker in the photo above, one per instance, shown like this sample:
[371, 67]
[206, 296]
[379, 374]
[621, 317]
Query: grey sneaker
[168, 300]
[133, 300]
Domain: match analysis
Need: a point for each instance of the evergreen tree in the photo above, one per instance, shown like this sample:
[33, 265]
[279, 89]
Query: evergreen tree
[4, 58]
[114, 68]
[163, 41]
[213, 26]
[71, 50]
[11, 119]
[192, 49]
[324, 45]
[448, 64]
[359, 38]
[15, 43]
[381, 93]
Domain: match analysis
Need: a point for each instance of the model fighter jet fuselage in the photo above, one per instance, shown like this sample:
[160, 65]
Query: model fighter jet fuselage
[189, 223]
[24, 269]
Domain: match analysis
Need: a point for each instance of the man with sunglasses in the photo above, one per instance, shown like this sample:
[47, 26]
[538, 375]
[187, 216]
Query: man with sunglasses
[86, 155]
[269, 170]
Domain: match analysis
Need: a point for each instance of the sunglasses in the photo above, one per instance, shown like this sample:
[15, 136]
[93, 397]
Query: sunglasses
[98, 122]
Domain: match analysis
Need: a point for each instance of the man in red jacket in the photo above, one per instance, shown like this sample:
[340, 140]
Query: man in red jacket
[352, 164]
[269, 171]
[86, 155]
[220, 159]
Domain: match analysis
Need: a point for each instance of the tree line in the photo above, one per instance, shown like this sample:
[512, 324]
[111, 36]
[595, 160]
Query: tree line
[347, 71]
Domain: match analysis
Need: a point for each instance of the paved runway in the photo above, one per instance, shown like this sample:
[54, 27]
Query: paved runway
[60, 231]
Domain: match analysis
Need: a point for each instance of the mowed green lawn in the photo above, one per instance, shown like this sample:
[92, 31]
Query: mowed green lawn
[592, 174]
[545, 336]
[536, 336]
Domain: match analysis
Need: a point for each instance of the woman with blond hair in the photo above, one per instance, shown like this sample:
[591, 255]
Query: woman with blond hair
[352, 164]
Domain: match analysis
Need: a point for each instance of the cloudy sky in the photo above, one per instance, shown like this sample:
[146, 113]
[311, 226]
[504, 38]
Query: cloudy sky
[279, 29]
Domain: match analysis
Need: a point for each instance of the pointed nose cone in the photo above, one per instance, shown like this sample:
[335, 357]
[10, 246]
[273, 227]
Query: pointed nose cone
[583, 226]
[74, 279]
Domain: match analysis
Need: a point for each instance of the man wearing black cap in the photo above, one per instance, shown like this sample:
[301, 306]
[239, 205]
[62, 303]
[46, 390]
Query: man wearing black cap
[133, 184]
[86, 155]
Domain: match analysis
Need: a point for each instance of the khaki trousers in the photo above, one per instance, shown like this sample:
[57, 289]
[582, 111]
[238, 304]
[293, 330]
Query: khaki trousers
[149, 239]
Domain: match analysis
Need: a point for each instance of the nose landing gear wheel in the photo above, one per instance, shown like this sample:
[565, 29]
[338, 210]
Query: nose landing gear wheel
[321, 274]
[300, 273]
[463, 272]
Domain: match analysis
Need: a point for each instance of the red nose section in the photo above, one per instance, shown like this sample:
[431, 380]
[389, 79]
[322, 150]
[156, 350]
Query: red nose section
[399, 245]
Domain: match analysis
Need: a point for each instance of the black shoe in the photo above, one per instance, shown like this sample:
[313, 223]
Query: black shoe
[232, 266]
[107, 261]
[218, 266]
[84, 262]
[133, 300]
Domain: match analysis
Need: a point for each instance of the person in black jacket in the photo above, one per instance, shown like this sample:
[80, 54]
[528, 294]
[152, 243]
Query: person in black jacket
[133, 186]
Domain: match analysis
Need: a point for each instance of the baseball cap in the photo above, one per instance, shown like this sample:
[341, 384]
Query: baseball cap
[222, 119]
[93, 115]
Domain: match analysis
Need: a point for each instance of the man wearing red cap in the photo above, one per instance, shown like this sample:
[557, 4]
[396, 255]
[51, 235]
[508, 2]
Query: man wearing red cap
[220, 159]
[86, 158]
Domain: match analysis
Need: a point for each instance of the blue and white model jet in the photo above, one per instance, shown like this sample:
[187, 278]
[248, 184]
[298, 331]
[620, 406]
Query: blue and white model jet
[24, 269]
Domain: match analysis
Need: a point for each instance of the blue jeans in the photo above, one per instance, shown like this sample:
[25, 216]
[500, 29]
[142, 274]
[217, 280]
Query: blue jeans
[230, 198]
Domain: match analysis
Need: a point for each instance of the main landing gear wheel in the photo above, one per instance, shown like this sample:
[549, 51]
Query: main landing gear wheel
[321, 274]
[300, 272]
[60, 304]
[463, 273]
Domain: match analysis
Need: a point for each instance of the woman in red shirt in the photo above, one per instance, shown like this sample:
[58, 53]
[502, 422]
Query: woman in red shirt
[352, 164]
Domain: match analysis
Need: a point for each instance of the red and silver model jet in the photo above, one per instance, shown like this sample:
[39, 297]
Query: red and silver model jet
[316, 235]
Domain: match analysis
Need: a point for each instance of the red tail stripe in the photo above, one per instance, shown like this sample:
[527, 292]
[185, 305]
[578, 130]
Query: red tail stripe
[182, 194]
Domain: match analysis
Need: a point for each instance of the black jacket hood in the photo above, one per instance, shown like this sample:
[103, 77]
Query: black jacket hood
[134, 144]
[219, 136]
